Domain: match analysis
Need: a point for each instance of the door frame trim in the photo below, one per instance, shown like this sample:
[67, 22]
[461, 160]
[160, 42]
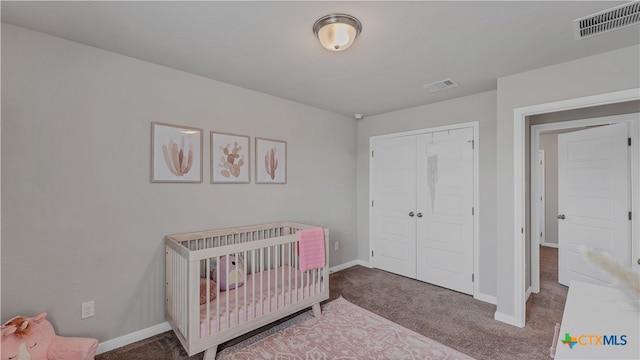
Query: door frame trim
[519, 117]
[476, 253]
[541, 183]
[536, 131]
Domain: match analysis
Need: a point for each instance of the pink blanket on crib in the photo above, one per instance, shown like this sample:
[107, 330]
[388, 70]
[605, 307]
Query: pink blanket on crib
[311, 245]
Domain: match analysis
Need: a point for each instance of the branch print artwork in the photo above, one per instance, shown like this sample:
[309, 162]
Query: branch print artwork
[272, 165]
[176, 153]
[177, 161]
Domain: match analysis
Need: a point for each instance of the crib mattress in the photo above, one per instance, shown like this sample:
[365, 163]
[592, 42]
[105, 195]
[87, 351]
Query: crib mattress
[262, 293]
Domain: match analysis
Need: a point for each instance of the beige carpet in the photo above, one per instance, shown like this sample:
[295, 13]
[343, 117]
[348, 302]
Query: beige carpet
[345, 332]
[450, 318]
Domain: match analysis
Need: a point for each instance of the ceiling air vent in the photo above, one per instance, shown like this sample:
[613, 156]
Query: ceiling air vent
[440, 85]
[607, 20]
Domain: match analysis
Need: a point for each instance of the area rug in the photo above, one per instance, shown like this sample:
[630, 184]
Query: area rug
[343, 332]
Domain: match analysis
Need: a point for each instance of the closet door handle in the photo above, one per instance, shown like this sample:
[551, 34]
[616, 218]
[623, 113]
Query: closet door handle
[561, 217]
[411, 214]
[419, 215]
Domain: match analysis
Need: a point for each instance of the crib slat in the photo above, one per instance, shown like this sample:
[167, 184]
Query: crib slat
[288, 261]
[226, 294]
[237, 316]
[244, 288]
[207, 275]
[218, 317]
[261, 278]
[269, 278]
[296, 266]
[282, 270]
[253, 283]
[278, 268]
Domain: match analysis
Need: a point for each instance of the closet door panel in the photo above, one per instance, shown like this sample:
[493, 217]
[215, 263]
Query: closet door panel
[445, 201]
[394, 185]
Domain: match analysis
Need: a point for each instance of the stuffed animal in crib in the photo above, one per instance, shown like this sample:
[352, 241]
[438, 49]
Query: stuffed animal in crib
[34, 339]
[231, 273]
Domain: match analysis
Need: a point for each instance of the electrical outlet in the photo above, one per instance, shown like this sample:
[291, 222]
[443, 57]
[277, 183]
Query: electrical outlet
[88, 309]
[336, 246]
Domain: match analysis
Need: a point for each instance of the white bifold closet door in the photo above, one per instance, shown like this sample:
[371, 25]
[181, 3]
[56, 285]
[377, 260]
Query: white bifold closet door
[422, 207]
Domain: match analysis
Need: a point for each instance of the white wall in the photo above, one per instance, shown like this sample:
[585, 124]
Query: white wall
[603, 73]
[479, 107]
[81, 220]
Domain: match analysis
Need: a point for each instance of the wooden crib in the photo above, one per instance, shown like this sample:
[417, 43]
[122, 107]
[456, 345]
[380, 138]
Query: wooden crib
[269, 283]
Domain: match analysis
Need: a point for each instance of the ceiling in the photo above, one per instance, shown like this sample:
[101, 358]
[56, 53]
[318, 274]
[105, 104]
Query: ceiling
[270, 47]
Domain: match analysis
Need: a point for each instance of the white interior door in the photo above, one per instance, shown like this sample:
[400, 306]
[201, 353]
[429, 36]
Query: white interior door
[593, 200]
[394, 184]
[445, 209]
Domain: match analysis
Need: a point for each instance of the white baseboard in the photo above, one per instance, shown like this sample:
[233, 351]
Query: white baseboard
[133, 337]
[508, 319]
[553, 245]
[486, 298]
[348, 265]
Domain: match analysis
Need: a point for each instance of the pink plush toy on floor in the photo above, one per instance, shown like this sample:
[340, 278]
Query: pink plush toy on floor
[34, 339]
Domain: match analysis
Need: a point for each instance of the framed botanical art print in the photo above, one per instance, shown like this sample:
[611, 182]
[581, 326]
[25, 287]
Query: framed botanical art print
[176, 153]
[271, 161]
[230, 158]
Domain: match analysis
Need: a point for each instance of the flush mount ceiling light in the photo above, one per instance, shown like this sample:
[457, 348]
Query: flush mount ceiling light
[337, 32]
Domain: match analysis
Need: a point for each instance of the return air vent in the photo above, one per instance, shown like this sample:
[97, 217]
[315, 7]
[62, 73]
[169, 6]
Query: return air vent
[440, 85]
[607, 20]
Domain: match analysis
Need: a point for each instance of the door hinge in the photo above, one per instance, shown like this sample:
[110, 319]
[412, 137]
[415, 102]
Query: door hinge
[629, 215]
[521, 230]
[629, 141]
[473, 277]
[371, 203]
[473, 144]
[473, 211]
[371, 153]
[371, 253]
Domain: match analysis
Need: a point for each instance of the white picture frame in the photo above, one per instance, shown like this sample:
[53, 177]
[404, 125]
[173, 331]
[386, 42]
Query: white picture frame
[230, 158]
[176, 153]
